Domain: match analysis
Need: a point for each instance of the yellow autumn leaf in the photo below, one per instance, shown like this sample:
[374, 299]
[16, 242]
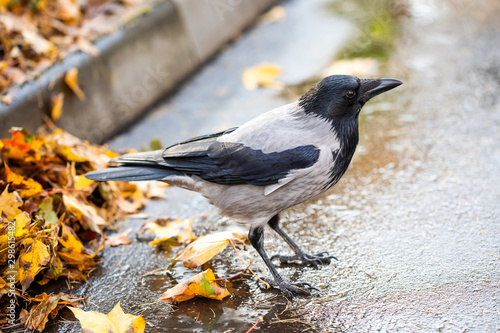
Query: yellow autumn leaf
[9, 204]
[73, 251]
[32, 259]
[82, 183]
[206, 247]
[25, 187]
[262, 75]
[57, 104]
[71, 79]
[167, 229]
[21, 224]
[114, 322]
[202, 284]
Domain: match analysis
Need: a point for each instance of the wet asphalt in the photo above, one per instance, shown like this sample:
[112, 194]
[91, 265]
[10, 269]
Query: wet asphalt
[414, 223]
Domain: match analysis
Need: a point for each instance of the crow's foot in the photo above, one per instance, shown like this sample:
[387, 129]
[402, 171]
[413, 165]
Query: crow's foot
[305, 259]
[290, 290]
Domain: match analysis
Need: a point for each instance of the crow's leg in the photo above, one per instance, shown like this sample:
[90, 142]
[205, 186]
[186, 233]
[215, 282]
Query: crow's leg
[256, 237]
[300, 256]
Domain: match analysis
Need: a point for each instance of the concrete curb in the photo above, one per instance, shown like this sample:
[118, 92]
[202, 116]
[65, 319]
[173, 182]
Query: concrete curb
[137, 65]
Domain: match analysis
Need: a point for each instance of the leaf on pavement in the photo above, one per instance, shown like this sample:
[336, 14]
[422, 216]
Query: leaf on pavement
[206, 247]
[202, 284]
[275, 14]
[118, 239]
[71, 79]
[114, 322]
[32, 259]
[57, 104]
[132, 199]
[167, 229]
[262, 75]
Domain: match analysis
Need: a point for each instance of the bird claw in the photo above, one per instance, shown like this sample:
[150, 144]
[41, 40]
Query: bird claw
[291, 289]
[305, 259]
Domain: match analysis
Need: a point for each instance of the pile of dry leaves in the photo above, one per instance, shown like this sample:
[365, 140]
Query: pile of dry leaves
[51, 216]
[35, 34]
[51, 222]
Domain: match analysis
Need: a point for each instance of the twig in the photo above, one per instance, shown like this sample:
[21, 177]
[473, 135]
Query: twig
[258, 278]
[255, 325]
[236, 275]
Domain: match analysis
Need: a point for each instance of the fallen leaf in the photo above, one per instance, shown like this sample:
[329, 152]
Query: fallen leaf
[17, 146]
[21, 225]
[82, 183]
[73, 251]
[206, 247]
[57, 104]
[114, 322]
[84, 212]
[46, 211]
[132, 199]
[71, 79]
[202, 284]
[152, 189]
[68, 11]
[32, 259]
[262, 75]
[10, 204]
[362, 67]
[39, 314]
[25, 187]
[168, 229]
[118, 239]
[275, 14]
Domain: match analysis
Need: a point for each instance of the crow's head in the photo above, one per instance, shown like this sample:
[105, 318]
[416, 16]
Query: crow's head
[340, 96]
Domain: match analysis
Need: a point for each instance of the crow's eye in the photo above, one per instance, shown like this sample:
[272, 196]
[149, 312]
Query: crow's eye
[350, 94]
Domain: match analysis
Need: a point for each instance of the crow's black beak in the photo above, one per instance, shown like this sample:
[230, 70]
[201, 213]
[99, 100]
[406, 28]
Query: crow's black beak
[373, 87]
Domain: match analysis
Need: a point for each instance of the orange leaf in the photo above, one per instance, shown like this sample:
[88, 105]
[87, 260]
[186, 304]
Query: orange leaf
[26, 188]
[71, 79]
[57, 104]
[73, 251]
[202, 284]
[206, 247]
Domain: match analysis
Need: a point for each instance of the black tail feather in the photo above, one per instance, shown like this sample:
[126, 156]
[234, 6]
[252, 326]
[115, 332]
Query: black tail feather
[130, 173]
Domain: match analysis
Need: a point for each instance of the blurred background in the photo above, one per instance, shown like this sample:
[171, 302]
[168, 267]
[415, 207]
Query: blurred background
[415, 222]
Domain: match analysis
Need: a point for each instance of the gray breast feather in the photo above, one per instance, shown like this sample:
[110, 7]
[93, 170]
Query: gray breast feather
[284, 128]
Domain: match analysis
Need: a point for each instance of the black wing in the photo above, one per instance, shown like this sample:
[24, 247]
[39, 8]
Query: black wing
[222, 162]
[234, 163]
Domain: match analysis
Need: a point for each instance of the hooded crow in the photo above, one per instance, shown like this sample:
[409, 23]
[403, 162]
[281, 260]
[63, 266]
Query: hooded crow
[275, 161]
